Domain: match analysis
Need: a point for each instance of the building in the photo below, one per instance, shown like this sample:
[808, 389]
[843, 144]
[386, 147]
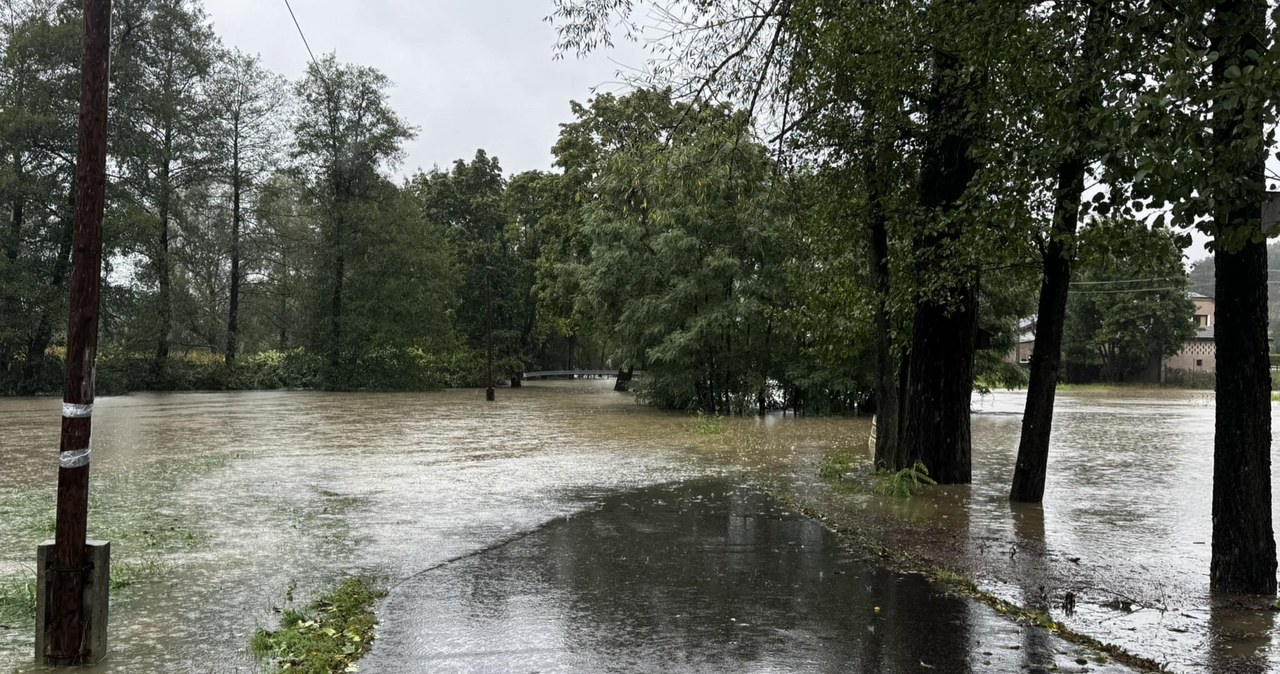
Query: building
[1026, 342]
[1200, 353]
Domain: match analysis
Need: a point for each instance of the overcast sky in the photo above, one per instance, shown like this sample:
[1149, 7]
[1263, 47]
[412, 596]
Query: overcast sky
[468, 73]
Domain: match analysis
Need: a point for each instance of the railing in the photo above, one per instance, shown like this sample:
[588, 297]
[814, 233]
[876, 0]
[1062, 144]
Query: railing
[575, 374]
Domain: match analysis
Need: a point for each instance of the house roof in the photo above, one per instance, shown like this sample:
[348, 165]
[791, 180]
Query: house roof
[1197, 296]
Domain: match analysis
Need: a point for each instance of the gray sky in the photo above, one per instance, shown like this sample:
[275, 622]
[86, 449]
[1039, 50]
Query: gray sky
[468, 73]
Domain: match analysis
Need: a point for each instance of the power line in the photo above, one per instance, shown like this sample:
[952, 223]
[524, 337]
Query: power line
[300, 33]
[1135, 280]
[1125, 290]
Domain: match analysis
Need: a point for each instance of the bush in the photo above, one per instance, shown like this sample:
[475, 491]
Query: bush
[329, 635]
[121, 372]
[1193, 380]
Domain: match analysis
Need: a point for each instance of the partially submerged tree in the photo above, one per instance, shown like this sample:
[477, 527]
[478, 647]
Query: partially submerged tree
[1217, 89]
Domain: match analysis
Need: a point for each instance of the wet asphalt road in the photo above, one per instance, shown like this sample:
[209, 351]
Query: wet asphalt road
[698, 576]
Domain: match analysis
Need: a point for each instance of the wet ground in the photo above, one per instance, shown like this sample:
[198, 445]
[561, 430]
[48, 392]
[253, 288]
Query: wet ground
[496, 516]
[700, 576]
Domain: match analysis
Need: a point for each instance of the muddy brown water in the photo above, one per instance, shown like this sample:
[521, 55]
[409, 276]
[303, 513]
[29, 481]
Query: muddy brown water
[275, 490]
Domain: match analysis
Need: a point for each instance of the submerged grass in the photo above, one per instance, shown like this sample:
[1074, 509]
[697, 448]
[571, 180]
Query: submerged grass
[708, 424]
[842, 465]
[18, 600]
[18, 591]
[127, 509]
[329, 635]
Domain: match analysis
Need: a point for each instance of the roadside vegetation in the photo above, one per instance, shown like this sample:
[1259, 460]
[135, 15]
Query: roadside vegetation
[328, 635]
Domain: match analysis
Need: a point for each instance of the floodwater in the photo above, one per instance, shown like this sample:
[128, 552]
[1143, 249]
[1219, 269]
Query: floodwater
[511, 533]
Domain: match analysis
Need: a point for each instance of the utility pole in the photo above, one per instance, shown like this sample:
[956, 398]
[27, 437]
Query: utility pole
[64, 636]
[488, 331]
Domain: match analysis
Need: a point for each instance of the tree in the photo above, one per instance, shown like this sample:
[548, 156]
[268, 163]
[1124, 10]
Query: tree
[467, 203]
[1130, 309]
[1216, 93]
[247, 103]
[39, 85]
[533, 200]
[160, 134]
[1084, 105]
[345, 133]
[682, 232]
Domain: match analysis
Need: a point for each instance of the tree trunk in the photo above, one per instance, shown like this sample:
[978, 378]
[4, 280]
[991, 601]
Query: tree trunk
[161, 362]
[623, 379]
[887, 372]
[1244, 547]
[939, 385]
[233, 313]
[940, 388]
[1046, 359]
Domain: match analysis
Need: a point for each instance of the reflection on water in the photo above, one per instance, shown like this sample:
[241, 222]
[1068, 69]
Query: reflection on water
[314, 485]
[699, 577]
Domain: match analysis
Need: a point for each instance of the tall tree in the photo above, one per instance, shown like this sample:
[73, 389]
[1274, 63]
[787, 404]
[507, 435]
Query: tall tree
[1242, 132]
[248, 103]
[467, 202]
[345, 134]
[161, 70]
[1080, 96]
[1216, 90]
[39, 84]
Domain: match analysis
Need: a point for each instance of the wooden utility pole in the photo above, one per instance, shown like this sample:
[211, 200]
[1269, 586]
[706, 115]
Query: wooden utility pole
[65, 628]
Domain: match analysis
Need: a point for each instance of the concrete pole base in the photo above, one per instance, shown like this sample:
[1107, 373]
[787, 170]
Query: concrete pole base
[97, 587]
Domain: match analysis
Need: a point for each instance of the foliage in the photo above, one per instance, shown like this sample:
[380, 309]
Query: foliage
[1130, 307]
[707, 424]
[905, 483]
[684, 248]
[839, 463]
[329, 635]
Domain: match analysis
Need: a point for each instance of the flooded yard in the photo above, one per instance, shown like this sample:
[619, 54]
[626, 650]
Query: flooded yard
[491, 516]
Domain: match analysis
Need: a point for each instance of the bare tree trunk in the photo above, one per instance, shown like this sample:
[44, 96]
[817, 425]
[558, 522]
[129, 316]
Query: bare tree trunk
[233, 313]
[160, 363]
[1046, 360]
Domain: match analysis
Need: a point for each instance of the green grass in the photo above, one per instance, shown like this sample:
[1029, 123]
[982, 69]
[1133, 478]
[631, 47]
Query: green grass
[18, 600]
[329, 635]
